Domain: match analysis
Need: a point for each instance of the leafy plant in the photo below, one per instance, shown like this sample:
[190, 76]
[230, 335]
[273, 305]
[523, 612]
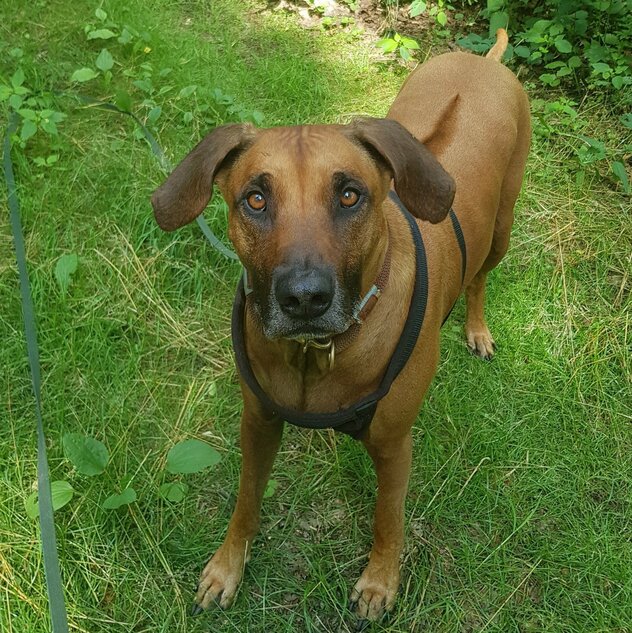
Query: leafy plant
[438, 10]
[116, 501]
[592, 151]
[271, 487]
[81, 75]
[174, 491]
[65, 267]
[33, 109]
[228, 108]
[61, 492]
[49, 161]
[560, 119]
[571, 42]
[14, 92]
[191, 456]
[105, 61]
[398, 43]
[107, 29]
[90, 458]
[621, 174]
[109, 32]
[87, 454]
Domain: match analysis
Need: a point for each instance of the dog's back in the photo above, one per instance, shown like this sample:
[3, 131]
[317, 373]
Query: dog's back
[473, 115]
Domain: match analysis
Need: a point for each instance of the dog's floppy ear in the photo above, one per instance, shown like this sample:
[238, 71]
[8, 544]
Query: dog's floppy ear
[187, 191]
[424, 187]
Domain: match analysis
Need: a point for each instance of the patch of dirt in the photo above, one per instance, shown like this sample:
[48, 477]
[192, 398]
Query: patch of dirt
[372, 18]
[311, 14]
[369, 15]
[395, 17]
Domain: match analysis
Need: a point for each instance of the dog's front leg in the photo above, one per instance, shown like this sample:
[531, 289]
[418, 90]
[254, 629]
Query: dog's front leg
[260, 439]
[376, 589]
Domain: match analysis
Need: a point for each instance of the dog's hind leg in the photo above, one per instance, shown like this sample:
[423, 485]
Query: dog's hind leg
[478, 337]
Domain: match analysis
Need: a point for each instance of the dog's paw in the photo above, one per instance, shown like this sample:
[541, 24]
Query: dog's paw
[220, 580]
[480, 342]
[374, 594]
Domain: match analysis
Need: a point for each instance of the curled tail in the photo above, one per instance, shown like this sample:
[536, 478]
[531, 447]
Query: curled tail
[498, 49]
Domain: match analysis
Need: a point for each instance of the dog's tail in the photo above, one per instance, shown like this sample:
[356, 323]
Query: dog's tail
[498, 49]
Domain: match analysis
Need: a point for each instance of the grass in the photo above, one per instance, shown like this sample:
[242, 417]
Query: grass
[519, 512]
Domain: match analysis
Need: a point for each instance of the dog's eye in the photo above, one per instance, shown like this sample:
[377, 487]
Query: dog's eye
[256, 201]
[349, 198]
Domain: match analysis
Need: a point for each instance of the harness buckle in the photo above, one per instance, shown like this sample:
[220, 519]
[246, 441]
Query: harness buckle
[247, 286]
[374, 291]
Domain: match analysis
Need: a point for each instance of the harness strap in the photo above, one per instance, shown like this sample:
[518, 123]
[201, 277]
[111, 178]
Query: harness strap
[355, 419]
[458, 232]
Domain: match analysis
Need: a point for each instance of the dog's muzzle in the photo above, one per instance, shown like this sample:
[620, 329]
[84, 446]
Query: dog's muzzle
[302, 302]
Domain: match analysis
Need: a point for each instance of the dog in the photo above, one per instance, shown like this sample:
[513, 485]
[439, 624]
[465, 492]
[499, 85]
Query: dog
[336, 269]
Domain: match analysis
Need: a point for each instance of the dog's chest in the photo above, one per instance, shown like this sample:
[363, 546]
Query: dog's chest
[303, 382]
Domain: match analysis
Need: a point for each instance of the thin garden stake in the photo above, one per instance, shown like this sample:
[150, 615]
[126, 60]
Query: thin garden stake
[56, 603]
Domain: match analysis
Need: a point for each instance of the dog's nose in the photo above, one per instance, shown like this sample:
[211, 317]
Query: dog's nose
[305, 294]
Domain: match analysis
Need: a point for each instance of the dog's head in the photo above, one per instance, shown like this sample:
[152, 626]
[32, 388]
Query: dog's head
[306, 211]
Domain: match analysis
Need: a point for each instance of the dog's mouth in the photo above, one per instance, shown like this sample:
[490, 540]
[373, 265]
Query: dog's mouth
[314, 334]
[277, 325]
[280, 321]
[284, 328]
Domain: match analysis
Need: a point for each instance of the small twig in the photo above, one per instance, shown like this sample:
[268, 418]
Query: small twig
[509, 597]
[467, 481]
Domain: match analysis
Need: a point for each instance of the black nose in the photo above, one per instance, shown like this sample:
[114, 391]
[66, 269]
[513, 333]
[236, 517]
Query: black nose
[304, 294]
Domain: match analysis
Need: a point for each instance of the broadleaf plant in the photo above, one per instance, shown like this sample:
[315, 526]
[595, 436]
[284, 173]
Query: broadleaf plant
[87, 454]
[191, 456]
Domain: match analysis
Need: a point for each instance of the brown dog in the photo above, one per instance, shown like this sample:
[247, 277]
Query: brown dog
[313, 223]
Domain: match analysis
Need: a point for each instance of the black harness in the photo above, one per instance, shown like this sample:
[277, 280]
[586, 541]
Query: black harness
[355, 419]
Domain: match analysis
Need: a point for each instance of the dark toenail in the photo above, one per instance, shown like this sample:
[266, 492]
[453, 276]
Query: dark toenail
[196, 609]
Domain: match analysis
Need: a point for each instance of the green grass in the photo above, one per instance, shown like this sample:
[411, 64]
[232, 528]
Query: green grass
[519, 514]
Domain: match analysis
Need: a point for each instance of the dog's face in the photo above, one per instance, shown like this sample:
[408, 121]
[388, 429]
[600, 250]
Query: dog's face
[305, 217]
[306, 211]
